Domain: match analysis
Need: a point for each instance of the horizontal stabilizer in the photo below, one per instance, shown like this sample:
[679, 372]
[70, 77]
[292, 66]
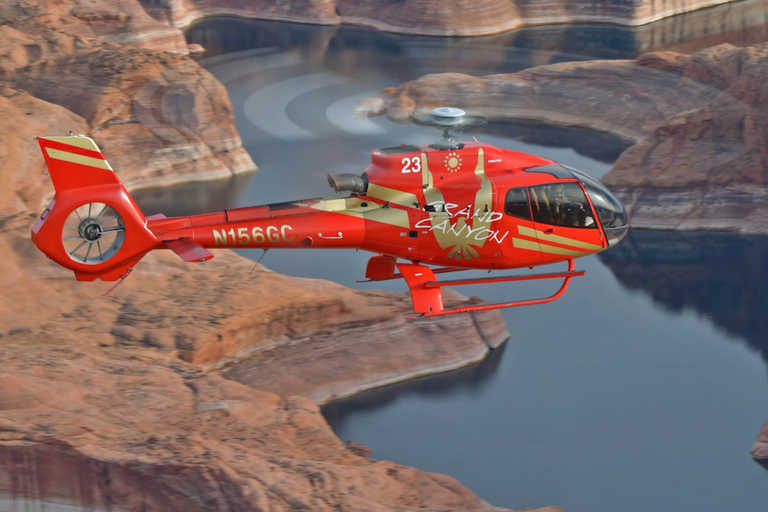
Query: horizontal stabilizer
[188, 249]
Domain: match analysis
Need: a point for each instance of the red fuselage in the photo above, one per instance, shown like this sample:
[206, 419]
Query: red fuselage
[441, 207]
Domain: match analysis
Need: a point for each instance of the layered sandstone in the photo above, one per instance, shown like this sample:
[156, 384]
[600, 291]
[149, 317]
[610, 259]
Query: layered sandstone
[444, 18]
[119, 21]
[113, 403]
[100, 426]
[159, 118]
[700, 157]
[760, 449]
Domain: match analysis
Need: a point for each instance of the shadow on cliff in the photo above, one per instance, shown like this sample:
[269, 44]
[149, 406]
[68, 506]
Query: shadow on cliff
[723, 277]
[469, 379]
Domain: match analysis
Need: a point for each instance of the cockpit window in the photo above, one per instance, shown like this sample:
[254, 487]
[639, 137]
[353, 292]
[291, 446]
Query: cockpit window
[562, 204]
[516, 203]
[610, 211]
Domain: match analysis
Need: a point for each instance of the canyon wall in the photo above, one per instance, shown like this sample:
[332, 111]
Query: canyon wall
[444, 18]
[159, 118]
[114, 402]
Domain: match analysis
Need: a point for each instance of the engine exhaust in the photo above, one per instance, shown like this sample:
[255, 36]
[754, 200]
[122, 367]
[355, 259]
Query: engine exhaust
[348, 183]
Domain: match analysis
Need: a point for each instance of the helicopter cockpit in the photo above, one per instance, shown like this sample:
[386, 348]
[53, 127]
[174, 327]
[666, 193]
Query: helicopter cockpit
[563, 203]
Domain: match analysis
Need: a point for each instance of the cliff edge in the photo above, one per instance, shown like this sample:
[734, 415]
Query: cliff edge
[116, 402]
[443, 18]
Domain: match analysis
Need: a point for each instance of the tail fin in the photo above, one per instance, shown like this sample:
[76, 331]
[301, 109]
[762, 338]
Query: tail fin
[92, 226]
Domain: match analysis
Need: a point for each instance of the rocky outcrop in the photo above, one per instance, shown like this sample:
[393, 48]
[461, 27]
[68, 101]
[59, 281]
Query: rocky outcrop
[131, 428]
[159, 118]
[114, 403]
[760, 450]
[119, 21]
[455, 17]
[700, 158]
[707, 167]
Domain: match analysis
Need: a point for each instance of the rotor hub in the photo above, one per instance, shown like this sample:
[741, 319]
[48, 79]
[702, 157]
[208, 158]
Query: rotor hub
[90, 230]
[93, 233]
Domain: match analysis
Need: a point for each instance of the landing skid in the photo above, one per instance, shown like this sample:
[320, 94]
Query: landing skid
[428, 297]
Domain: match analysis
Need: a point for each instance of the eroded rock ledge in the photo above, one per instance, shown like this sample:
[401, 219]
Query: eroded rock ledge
[115, 401]
[700, 153]
[159, 118]
[443, 18]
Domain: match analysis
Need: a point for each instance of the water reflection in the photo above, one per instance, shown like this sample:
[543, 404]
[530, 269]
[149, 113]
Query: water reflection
[738, 23]
[721, 276]
[470, 380]
[603, 147]
[192, 198]
[601, 377]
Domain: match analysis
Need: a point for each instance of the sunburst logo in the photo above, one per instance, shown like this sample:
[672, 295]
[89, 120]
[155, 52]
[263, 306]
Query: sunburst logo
[453, 161]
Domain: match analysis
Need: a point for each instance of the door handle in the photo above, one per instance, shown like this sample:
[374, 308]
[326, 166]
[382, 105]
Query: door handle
[549, 231]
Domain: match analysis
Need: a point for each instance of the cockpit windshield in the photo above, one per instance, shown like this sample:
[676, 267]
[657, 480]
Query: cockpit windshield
[561, 204]
[610, 211]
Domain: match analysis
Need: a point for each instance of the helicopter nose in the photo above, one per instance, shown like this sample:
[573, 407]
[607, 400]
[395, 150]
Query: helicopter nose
[617, 229]
[612, 214]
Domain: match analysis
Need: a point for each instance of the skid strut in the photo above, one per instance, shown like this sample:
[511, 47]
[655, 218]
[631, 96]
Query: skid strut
[428, 297]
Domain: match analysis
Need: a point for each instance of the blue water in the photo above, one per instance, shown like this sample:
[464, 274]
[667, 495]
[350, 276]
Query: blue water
[642, 389]
[605, 400]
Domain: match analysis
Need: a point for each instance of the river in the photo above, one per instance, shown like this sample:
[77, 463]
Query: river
[642, 389]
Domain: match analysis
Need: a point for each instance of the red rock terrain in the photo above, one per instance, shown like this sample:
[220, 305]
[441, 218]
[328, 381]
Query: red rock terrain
[114, 402]
[700, 158]
[454, 17]
[158, 116]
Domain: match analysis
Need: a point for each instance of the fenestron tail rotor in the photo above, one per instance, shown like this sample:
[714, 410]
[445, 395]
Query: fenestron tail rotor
[93, 233]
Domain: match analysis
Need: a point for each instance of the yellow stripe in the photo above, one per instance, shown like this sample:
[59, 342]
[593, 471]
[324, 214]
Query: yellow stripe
[519, 243]
[549, 249]
[78, 142]
[557, 239]
[392, 195]
[78, 159]
[353, 207]
[391, 216]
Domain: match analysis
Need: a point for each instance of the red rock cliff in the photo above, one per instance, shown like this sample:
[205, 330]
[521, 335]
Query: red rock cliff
[452, 17]
[114, 402]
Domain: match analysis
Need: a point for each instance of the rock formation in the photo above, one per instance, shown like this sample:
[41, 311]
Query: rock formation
[455, 17]
[700, 158]
[707, 167]
[760, 450]
[159, 118]
[127, 427]
[114, 403]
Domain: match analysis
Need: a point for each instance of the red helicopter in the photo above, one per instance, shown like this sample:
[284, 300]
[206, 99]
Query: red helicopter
[454, 205]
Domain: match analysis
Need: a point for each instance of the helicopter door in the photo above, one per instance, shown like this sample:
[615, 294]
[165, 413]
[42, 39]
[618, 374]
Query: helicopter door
[563, 221]
[523, 245]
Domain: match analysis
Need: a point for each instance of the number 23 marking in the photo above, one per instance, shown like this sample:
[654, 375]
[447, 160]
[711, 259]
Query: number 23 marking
[411, 164]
